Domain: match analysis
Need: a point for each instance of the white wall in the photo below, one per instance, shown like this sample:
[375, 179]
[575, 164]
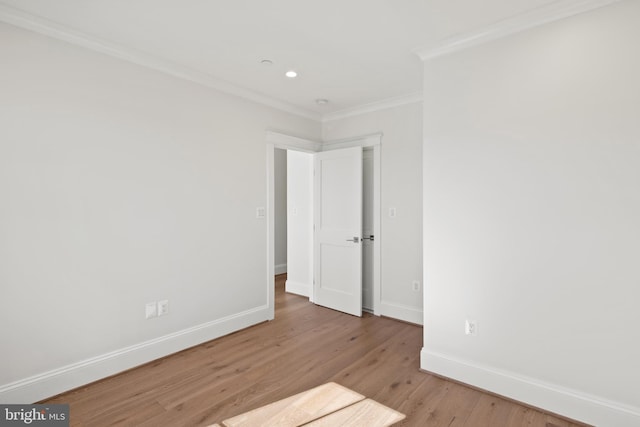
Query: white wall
[401, 176]
[531, 216]
[280, 208]
[300, 222]
[118, 186]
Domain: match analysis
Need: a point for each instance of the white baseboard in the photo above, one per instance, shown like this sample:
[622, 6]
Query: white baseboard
[280, 269]
[401, 312]
[68, 377]
[560, 400]
[298, 288]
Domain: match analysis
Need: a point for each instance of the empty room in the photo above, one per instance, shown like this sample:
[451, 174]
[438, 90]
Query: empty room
[281, 212]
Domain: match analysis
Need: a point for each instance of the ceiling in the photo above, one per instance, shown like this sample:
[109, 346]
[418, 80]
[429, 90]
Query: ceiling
[350, 52]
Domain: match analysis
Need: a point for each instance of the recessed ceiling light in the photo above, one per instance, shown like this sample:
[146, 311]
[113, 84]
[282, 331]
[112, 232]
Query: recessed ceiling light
[291, 74]
[266, 62]
[322, 101]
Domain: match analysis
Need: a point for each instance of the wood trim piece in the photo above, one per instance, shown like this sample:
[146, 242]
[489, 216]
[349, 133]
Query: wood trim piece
[304, 346]
[51, 29]
[367, 413]
[524, 21]
[533, 392]
[68, 377]
[298, 288]
[405, 313]
[384, 104]
[284, 141]
[299, 409]
[364, 141]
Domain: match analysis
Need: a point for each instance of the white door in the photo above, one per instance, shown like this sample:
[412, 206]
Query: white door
[338, 227]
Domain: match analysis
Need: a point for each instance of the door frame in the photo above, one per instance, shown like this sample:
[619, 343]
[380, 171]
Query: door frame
[287, 142]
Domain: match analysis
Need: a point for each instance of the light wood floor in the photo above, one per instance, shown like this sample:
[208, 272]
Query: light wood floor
[305, 346]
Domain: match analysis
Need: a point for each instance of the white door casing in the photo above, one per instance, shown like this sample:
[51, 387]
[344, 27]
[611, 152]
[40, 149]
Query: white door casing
[338, 228]
[288, 142]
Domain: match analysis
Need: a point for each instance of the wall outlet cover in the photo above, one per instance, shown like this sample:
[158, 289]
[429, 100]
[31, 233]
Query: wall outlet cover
[471, 327]
[150, 310]
[163, 307]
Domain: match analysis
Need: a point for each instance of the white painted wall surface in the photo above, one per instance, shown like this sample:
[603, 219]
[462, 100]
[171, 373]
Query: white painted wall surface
[401, 175]
[531, 208]
[299, 223]
[119, 186]
[280, 208]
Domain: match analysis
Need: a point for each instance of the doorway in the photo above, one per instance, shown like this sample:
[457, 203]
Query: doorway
[371, 203]
[368, 230]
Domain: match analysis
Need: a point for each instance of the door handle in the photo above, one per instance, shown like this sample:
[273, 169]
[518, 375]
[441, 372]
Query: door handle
[354, 240]
[368, 238]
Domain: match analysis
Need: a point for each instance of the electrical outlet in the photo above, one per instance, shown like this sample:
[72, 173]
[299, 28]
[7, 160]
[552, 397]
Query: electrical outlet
[163, 307]
[471, 327]
[261, 212]
[150, 310]
[415, 285]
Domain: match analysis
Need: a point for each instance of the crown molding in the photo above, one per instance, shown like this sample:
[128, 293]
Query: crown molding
[518, 23]
[51, 29]
[373, 106]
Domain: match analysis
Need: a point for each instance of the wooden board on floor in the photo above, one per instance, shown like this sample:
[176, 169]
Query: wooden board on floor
[305, 345]
[366, 413]
[299, 409]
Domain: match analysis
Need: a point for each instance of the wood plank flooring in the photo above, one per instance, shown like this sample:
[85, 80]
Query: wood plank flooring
[299, 409]
[305, 346]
